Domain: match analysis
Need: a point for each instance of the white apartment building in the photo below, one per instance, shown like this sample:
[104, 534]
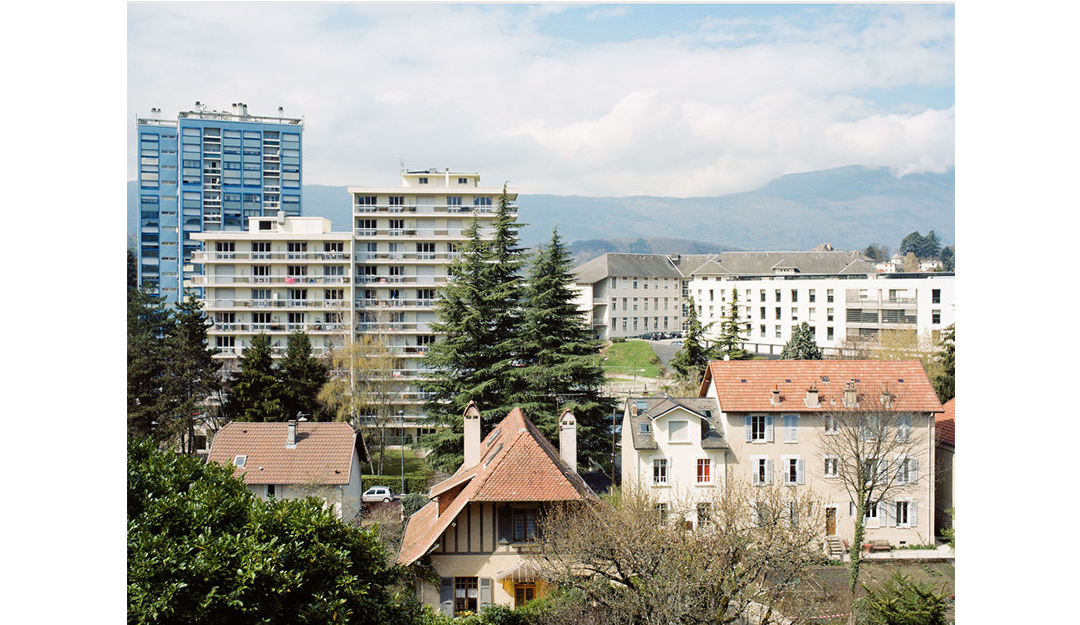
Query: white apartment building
[288, 273]
[839, 294]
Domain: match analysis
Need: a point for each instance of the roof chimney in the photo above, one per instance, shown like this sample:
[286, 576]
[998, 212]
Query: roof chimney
[812, 396]
[290, 441]
[633, 409]
[472, 436]
[886, 398]
[568, 439]
[851, 399]
[775, 399]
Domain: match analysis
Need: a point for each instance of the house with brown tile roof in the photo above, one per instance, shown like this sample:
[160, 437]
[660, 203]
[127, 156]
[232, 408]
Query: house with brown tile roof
[775, 413]
[295, 459]
[945, 426]
[479, 520]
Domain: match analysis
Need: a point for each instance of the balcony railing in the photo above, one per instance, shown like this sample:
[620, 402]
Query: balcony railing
[394, 303]
[268, 280]
[209, 256]
[233, 303]
[429, 209]
[272, 328]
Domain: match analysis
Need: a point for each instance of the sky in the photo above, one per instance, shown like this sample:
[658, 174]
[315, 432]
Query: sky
[611, 99]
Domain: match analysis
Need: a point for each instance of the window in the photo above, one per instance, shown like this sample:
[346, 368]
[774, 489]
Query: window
[794, 313]
[704, 471]
[762, 293]
[677, 431]
[778, 295]
[271, 491]
[463, 181]
[396, 200]
[661, 513]
[935, 296]
[907, 470]
[935, 317]
[761, 470]
[794, 295]
[813, 297]
[659, 471]
[905, 515]
[793, 470]
[523, 593]
[759, 429]
[704, 512]
[903, 428]
[240, 460]
[832, 424]
[832, 466]
[778, 314]
[423, 180]
[791, 428]
[465, 594]
[524, 525]
[778, 333]
[829, 314]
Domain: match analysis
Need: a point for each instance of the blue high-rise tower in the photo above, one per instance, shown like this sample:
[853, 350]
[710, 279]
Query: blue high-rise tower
[209, 171]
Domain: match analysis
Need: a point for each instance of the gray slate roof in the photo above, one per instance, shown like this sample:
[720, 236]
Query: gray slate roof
[724, 263]
[657, 406]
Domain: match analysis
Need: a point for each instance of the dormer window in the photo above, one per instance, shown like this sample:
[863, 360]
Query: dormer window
[240, 460]
[678, 432]
[645, 428]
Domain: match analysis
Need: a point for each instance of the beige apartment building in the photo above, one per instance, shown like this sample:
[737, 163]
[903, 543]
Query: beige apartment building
[288, 273]
[768, 422]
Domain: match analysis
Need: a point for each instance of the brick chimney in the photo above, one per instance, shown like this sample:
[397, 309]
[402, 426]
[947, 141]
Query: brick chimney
[886, 398]
[290, 440]
[775, 399]
[851, 399]
[812, 396]
[568, 439]
[472, 435]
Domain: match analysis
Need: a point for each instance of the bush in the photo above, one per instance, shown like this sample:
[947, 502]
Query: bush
[618, 339]
[901, 601]
[414, 482]
[413, 502]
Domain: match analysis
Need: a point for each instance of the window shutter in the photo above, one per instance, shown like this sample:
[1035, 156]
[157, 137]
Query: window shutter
[505, 526]
[446, 596]
[768, 429]
[913, 470]
[801, 471]
[890, 513]
[883, 471]
[754, 472]
[749, 428]
[913, 514]
[485, 592]
[900, 460]
[768, 470]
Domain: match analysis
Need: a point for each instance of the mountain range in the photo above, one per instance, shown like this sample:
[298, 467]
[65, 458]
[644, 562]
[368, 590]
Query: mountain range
[848, 207]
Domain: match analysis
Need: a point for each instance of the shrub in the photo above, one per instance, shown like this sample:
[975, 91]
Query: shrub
[901, 601]
[414, 482]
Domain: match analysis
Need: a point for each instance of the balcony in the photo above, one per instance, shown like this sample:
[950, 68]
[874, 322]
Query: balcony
[875, 300]
[211, 281]
[292, 257]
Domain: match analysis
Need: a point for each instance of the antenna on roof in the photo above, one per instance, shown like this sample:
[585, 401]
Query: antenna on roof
[401, 161]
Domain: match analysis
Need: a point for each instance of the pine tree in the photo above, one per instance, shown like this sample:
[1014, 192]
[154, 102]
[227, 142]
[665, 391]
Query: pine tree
[300, 377]
[191, 371]
[479, 314]
[561, 366]
[691, 360]
[802, 346]
[945, 380]
[730, 342]
[255, 393]
[148, 322]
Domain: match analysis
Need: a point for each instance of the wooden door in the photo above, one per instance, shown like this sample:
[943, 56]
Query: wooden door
[830, 521]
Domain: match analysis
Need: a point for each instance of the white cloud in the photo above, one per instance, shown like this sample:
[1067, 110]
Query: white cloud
[480, 88]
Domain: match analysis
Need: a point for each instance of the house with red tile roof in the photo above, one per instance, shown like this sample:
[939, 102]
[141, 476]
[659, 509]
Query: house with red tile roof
[776, 416]
[945, 427]
[478, 521]
[295, 459]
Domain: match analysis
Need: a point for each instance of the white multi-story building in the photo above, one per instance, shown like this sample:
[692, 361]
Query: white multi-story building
[839, 294]
[289, 273]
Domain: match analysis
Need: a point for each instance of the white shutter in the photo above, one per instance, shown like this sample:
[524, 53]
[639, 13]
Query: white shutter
[768, 429]
[913, 470]
[801, 470]
[900, 465]
[890, 513]
[768, 470]
[749, 428]
[913, 514]
[791, 434]
[883, 471]
[754, 471]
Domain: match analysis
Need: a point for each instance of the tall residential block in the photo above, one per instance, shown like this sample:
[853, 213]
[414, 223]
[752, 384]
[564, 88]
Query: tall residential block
[209, 171]
[381, 278]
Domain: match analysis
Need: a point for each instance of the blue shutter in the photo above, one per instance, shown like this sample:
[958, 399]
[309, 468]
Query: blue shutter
[485, 592]
[446, 596]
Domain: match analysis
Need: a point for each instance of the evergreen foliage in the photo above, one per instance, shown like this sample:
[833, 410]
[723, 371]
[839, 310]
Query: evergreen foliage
[948, 259]
[902, 601]
[690, 361]
[802, 346]
[203, 549]
[301, 376]
[254, 391]
[132, 270]
[479, 313]
[191, 371]
[923, 247]
[730, 341]
[148, 322]
[560, 362]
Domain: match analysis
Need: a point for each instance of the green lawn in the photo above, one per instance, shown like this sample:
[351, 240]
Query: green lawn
[630, 357]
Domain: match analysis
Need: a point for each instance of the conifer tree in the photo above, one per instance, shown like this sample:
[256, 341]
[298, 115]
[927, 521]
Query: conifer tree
[945, 379]
[191, 371]
[730, 342]
[479, 314]
[255, 394]
[148, 321]
[802, 346]
[300, 377]
[691, 360]
[561, 366]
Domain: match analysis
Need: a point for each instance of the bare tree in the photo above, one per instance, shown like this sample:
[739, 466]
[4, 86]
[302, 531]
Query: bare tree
[748, 551]
[876, 451]
[363, 387]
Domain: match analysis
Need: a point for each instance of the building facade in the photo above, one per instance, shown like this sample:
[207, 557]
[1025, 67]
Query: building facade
[841, 295]
[209, 171]
[287, 273]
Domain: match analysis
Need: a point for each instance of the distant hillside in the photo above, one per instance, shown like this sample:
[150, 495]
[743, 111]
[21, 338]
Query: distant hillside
[583, 251]
[849, 207]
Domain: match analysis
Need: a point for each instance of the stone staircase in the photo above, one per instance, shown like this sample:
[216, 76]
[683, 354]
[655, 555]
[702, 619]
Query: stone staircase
[834, 547]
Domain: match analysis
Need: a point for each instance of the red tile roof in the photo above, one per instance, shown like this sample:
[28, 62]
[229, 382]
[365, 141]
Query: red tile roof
[517, 463]
[323, 452]
[945, 423]
[747, 385]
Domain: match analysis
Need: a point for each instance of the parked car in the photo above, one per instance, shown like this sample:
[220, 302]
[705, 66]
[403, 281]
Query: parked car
[377, 493]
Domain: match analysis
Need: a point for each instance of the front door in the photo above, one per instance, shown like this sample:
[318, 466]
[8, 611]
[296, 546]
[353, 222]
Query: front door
[830, 521]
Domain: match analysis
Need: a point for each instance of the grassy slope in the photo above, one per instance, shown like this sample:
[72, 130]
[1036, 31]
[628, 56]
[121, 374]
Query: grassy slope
[624, 359]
